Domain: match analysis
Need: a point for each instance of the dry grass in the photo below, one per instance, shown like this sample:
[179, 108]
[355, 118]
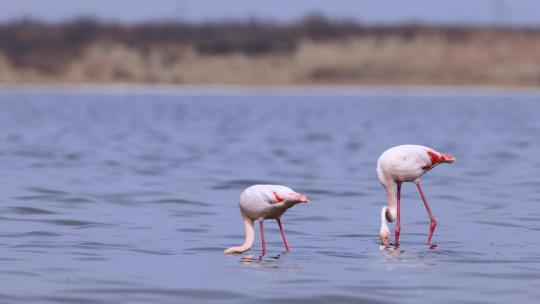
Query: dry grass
[423, 60]
[475, 57]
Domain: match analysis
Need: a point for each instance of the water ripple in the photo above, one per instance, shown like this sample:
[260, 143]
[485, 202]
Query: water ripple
[191, 294]
[323, 299]
[30, 234]
[28, 210]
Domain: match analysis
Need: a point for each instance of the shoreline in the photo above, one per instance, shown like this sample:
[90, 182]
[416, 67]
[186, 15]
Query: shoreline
[227, 89]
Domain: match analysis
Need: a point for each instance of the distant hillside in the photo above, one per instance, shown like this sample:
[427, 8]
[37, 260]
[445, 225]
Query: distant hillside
[314, 51]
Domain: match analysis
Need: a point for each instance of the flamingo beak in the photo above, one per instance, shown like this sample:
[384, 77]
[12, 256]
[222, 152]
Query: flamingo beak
[303, 198]
[447, 158]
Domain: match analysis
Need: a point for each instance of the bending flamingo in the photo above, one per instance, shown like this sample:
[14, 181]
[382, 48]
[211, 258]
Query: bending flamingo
[406, 163]
[260, 202]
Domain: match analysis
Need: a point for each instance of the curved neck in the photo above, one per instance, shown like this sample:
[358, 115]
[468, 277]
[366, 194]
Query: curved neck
[392, 202]
[383, 216]
[384, 232]
[250, 237]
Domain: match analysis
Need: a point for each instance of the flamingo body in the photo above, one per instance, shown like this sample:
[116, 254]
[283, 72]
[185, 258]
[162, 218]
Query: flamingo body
[261, 202]
[405, 163]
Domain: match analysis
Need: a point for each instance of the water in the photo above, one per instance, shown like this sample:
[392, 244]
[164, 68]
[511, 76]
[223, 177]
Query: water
[130, 196]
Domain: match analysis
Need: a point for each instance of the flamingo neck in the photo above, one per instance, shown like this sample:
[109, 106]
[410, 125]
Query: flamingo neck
[392, 202]
[383, 216]
[384, 231]
[250, 237]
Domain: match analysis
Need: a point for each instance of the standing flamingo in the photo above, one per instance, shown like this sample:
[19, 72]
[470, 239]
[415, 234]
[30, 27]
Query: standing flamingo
[260, 202]
[406, 163]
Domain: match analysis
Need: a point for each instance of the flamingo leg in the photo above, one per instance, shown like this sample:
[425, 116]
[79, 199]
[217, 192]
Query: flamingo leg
[398, 225]
[261, 225]
[287, 248]
[433, 223]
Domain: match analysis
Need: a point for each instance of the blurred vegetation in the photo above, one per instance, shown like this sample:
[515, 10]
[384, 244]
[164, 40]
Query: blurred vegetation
[314, 50]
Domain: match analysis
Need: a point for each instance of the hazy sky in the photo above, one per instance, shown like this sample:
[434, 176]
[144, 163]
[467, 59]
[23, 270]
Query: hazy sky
[509, 12]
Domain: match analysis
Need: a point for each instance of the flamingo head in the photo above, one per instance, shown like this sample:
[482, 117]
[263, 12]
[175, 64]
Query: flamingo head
[291, 198]
[384, 232]
[295, 198]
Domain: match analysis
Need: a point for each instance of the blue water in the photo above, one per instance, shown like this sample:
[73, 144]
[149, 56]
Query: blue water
[129, 195]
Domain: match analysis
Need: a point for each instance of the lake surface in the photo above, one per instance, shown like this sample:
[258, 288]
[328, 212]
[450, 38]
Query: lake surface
[130, 196]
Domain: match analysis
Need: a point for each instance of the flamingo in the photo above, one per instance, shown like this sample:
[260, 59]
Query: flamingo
[405, 163]
[260, 202]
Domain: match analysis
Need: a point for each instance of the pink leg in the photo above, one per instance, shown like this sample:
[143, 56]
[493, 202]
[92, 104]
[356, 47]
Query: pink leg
[398, 225]
[261, 225]
[433, 223]
[287, 248]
